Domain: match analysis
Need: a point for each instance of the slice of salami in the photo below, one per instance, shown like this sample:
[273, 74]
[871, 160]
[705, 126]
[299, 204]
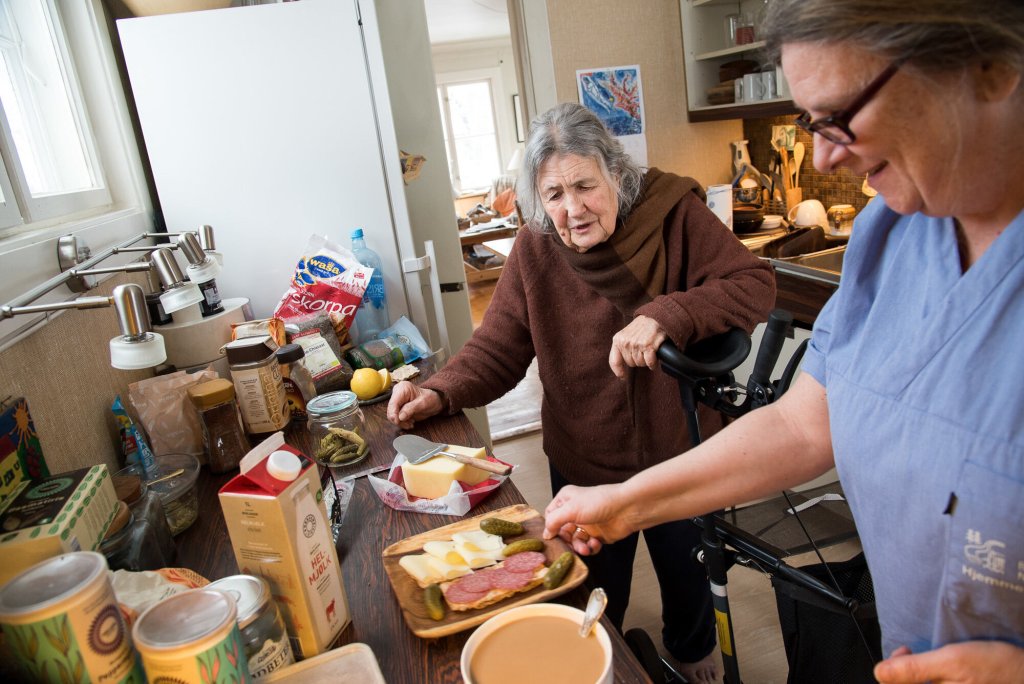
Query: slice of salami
[512, 581]
[527, 561]
[477, 582]
[456, 594]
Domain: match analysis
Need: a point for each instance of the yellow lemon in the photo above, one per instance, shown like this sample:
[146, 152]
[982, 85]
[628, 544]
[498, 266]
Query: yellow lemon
[386, 377]
[366, 383]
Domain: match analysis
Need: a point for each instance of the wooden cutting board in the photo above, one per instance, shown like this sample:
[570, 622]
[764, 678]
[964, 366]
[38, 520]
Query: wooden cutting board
[410, 594]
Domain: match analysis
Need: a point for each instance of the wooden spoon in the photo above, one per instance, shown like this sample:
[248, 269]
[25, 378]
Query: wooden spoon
[798, 158]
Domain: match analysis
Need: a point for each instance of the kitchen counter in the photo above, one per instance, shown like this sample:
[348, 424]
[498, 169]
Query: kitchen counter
[803, 283]
[368, 528]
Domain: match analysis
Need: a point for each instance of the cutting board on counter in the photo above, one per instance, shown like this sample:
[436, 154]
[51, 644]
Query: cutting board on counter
[410, 595]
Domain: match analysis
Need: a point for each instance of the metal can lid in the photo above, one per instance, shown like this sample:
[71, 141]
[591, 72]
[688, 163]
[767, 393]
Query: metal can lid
[51, 581]
[251, 594]
[184, 618]
[332, 403]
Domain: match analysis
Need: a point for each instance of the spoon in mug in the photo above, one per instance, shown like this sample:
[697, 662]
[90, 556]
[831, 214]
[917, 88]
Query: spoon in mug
[595, 609]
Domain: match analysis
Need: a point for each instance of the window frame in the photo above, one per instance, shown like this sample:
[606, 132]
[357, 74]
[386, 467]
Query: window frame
[28, 256]
[493, 79]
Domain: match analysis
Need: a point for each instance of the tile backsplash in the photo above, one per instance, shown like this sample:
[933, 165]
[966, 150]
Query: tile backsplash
[838, 187]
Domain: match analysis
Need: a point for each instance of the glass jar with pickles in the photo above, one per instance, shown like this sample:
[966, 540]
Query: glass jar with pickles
[337, 425]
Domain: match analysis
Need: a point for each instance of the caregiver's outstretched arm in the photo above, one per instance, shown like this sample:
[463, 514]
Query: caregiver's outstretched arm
[775, 447]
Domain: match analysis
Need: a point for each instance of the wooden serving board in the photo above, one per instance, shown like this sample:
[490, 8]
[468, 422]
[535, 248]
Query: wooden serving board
[410, 594]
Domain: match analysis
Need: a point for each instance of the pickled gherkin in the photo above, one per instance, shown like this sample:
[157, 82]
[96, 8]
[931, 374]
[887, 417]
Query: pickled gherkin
[558, 570]
[432, 599]
[521, 545]
[502, 528]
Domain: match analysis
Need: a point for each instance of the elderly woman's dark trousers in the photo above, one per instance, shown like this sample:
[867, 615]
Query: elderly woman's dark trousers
[686, 611]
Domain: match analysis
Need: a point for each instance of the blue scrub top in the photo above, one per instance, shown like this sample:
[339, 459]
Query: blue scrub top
[924, 369]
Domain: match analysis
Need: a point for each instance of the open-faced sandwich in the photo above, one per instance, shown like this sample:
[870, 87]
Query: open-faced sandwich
[476, 568]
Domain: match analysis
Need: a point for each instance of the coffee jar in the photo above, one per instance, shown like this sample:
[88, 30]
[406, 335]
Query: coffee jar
[259, 388]
[223, 433]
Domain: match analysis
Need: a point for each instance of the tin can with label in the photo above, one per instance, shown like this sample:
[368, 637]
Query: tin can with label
[192, 638]
[263, 633]
[62, 621]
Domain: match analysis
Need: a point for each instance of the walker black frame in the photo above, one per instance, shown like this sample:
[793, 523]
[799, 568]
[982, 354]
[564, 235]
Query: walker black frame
[704, 373]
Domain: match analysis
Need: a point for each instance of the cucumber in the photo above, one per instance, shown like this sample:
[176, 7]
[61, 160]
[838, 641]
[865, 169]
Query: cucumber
[502, 528]
[521, 545]
[433, 600]
[558, 570]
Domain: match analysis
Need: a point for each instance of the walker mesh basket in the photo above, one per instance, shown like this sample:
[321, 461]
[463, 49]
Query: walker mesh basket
[822, 642]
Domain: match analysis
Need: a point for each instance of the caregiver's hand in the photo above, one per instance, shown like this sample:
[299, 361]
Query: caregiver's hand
[586, 518]
[970, 662]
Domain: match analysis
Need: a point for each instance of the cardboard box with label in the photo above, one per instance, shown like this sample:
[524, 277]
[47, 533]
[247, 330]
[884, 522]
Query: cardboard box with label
[54, 515]
[279, 530]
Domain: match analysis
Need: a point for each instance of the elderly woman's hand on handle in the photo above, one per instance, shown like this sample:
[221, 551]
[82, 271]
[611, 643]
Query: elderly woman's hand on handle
[636, 345]
[410, 403]
[586, 518]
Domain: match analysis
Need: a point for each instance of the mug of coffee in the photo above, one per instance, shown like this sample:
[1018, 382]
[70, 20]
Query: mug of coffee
[808, 213]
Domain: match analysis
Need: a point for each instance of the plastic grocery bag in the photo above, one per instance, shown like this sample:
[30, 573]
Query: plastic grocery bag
[458, 501]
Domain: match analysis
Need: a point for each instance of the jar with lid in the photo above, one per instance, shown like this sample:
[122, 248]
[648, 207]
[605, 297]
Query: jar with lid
[264, 638]
[338, 428]
[256, 375]
[131, 544]
[223, 434]
[299, 387]
[131, 488]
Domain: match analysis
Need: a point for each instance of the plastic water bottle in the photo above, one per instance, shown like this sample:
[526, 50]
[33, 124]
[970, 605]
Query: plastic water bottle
[372, 316]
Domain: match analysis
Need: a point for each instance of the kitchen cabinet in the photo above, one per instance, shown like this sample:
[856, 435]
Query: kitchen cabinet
[706, 49]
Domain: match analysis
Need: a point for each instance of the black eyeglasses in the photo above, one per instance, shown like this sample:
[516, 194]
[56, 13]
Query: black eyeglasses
[836, 127]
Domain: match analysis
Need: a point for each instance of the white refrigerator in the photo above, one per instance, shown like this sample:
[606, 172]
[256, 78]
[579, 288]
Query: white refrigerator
[274, 122]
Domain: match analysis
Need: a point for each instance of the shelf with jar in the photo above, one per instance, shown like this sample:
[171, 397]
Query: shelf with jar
[720, 45]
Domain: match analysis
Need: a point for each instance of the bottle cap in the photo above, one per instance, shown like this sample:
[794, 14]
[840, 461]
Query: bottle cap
[284, 466]
[289, 353]
[357, 232]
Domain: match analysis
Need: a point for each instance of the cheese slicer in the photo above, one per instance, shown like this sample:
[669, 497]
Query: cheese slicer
[417, 450]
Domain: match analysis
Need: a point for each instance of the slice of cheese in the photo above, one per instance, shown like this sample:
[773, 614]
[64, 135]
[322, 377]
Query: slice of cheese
[448, 570]
[433, 478]
[478, 540]
[418, 566]
[478, 559]
[445, 551]
[427, 569]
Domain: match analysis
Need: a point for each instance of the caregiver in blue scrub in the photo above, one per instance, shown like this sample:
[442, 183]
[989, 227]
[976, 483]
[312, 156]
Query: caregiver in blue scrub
[913, 385]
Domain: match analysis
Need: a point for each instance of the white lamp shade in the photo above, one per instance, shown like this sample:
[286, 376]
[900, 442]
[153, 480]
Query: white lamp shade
[128, 354]
[516, 162]
[206, 271]
[178, 298]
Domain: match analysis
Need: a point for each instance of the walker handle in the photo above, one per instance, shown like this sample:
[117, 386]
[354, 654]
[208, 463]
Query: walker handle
[768, 351]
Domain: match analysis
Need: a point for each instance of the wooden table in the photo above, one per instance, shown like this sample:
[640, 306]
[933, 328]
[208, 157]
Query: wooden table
[469, 239]
[369, 527]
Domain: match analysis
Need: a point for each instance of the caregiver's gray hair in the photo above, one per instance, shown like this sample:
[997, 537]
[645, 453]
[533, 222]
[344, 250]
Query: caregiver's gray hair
[570, 128]
[936, 35]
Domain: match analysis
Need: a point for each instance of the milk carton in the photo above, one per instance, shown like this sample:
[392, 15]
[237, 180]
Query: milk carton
[279, 529]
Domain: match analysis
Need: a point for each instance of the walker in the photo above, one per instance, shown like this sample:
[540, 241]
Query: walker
[704, 373]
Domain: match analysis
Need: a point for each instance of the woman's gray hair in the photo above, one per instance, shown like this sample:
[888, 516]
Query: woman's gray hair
[935, 35]
[570, 128]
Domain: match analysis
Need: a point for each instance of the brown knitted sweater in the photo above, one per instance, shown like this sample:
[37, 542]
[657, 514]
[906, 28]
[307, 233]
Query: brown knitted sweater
[598, 428]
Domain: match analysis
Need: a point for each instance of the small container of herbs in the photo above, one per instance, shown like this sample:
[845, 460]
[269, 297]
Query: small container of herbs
[338, 428]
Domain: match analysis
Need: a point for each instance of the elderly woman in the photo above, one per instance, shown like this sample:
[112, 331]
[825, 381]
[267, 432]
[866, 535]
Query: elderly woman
[911, 385]
[614, 262]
